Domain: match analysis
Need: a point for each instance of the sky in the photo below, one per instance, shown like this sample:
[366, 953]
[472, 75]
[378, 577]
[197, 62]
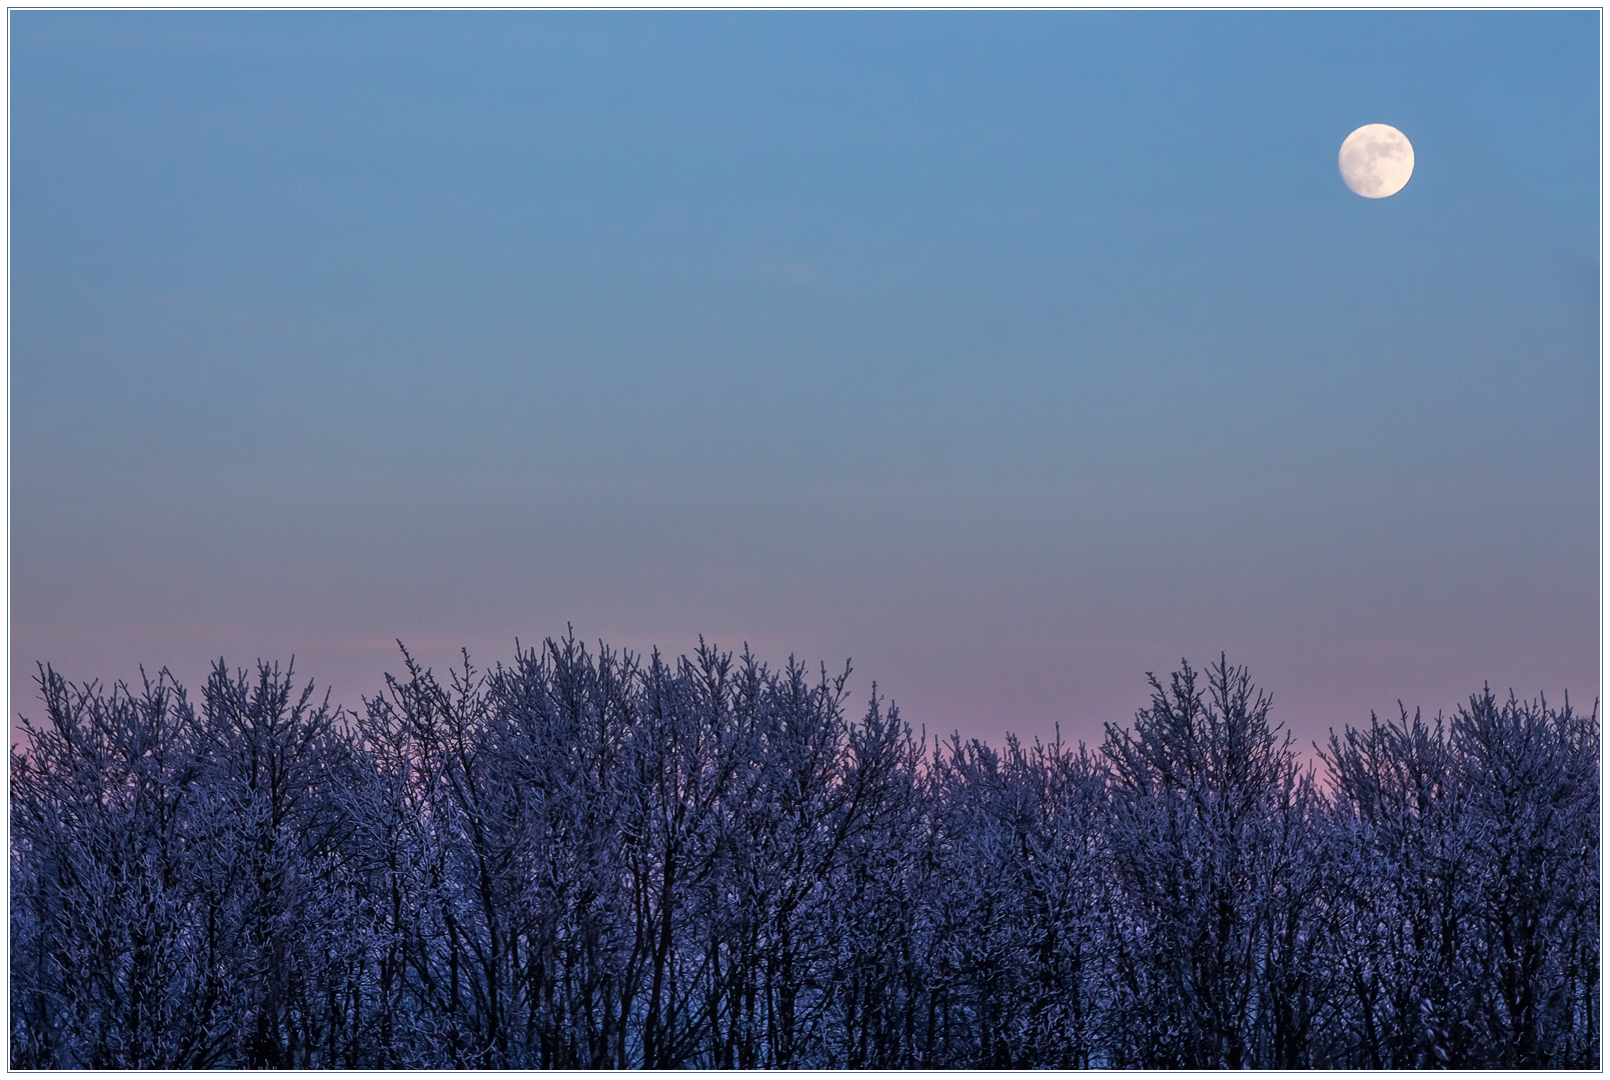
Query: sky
[1008, 355]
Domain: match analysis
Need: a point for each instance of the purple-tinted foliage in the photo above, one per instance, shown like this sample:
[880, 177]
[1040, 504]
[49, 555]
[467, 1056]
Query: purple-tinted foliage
[603, 860]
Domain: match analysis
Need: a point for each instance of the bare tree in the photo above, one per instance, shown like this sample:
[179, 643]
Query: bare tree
[1207, 823]
[584, 860]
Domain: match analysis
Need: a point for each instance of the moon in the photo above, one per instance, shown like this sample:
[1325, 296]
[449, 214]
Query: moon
[1376, 161]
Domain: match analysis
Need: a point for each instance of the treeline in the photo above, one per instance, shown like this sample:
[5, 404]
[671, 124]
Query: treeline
[586, 861]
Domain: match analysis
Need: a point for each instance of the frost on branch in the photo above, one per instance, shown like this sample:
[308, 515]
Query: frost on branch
[602, 860]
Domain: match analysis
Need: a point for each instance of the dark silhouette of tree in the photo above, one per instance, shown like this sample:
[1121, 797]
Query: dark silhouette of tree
[593, 860]
[1470, 852]
[1207, 829]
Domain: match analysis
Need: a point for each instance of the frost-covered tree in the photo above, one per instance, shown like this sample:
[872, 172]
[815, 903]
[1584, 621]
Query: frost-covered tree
[108, 815]
[590, 860]
[1468, 927]
[1208, 841]
[177, 876]
[1019, 901]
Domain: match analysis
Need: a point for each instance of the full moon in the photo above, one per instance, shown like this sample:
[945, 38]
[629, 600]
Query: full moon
[1376, 161]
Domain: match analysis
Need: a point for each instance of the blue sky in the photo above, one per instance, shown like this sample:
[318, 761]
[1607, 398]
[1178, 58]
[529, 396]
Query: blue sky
[1011, 354]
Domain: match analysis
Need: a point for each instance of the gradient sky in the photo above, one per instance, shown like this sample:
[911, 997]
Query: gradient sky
[1012, 355]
